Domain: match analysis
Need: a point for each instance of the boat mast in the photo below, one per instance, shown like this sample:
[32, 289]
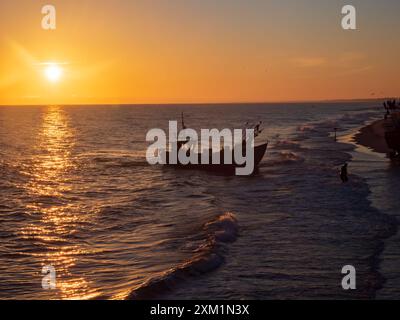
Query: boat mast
[183, 123]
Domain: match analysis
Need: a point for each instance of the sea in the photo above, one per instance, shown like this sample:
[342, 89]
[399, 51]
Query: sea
[78, 196]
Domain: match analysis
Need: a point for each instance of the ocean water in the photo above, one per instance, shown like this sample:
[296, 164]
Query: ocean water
[77, 193]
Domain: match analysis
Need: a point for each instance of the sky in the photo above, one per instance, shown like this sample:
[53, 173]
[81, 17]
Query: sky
[198, 51]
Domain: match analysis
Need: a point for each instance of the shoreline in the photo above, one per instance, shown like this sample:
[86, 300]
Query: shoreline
[372, 136]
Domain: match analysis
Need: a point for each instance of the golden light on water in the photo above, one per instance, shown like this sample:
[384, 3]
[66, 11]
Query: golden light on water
[58, 219]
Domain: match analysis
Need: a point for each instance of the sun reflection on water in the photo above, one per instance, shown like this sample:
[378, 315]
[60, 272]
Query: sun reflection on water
[57, 216]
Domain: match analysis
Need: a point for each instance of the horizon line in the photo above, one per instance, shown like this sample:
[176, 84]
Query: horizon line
[199, 103]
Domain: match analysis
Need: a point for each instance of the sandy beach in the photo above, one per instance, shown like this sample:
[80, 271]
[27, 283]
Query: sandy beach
[372, 136]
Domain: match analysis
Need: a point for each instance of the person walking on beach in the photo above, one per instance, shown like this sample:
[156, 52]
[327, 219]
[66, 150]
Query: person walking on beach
[343, 173]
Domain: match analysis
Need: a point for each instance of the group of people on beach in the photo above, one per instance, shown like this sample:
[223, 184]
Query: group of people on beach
[390, 105]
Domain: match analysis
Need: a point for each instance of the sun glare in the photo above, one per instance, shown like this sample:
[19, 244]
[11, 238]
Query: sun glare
[53, 72]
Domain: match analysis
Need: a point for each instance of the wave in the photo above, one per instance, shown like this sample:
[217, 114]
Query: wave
[121, 162]
[285, 158]
[207, 257]
[131, 163]
[345, 120]
[306, 128]
[286, 144]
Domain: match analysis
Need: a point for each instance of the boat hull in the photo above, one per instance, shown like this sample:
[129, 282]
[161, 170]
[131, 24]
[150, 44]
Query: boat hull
[259, 152]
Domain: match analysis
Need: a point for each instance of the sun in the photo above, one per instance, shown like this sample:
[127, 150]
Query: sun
[53, 72]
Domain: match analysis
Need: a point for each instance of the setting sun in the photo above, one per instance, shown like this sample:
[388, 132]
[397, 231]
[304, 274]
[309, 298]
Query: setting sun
[53, 72]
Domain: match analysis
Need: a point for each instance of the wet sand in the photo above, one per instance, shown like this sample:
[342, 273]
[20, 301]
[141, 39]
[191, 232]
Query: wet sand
[373, 137]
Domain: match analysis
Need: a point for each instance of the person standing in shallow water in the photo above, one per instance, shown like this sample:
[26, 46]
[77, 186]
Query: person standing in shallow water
[344, 173]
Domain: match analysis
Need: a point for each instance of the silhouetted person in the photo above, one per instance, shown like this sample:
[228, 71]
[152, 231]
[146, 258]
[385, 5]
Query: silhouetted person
[257, 129]
[344, 174]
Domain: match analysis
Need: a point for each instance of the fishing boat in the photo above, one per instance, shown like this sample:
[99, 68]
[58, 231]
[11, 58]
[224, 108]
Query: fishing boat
[222, 166]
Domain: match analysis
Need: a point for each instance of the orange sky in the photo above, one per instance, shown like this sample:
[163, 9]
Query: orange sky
[183, 51]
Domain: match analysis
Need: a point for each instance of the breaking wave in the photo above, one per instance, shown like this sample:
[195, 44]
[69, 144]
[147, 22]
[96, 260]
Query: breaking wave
[207, 257]
[285, 158]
